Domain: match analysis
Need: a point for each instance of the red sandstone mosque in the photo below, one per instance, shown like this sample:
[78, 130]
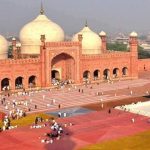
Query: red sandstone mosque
[44, 55]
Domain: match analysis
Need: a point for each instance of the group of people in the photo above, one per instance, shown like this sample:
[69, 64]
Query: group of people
[55, 133]
[7, 124]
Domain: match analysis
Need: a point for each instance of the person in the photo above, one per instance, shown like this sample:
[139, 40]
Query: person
[35, 106]
[133, 120]
[65, 114]
[36, 120]
[59, 106]
[43, 97]
[59, 114]
[2, 102]
[109, 111]
[144, 68]
[54, 101]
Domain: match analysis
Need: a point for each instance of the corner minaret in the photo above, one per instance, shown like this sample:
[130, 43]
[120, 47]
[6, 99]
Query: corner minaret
[14, 48]
[43, 61]
[133, 43]
[102, 35]
[134, 54]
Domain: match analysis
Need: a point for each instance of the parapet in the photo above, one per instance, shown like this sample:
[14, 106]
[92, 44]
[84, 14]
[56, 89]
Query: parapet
[62, 44]
[20, 61]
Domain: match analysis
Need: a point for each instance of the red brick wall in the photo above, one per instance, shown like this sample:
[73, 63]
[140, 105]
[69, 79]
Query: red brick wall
[143, 65]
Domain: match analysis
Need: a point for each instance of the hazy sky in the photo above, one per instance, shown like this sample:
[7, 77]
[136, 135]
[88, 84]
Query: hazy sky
[109, 15]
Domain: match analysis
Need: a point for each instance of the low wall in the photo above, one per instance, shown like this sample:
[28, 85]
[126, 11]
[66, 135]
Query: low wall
[144, 65]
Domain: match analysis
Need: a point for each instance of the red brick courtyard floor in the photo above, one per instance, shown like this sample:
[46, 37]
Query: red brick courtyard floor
[87, 129]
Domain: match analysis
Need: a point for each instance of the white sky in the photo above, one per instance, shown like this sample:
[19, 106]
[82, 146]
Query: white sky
[109, 15]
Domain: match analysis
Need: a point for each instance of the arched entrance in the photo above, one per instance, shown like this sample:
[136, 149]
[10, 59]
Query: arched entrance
[106, 74]
[115, 72]
[125, 71]
[19, 83]
[32, 81]
[55, 75]
[96, 74]
[86, 75]
[5, 85]
[65, 65]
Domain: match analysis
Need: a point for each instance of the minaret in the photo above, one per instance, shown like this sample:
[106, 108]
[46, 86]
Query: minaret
[102, 35]
[42, 60]
[134, 54]
[133, 44]
[14, 48]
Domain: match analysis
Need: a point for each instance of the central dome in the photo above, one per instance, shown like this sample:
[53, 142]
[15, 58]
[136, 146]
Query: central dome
[91, 42]
[31, 33]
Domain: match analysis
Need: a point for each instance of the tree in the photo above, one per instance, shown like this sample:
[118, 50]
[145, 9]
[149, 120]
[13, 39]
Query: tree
[123, 47]
[117, 46]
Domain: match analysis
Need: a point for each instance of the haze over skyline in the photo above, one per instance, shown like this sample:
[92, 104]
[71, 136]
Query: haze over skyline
[110, 15]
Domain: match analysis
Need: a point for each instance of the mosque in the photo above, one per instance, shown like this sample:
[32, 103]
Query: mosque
[44, 55]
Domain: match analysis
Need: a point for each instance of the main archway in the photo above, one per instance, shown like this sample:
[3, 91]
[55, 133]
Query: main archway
[63, 67]
[55, 74]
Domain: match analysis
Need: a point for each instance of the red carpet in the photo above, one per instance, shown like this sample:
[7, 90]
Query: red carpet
[87, 129]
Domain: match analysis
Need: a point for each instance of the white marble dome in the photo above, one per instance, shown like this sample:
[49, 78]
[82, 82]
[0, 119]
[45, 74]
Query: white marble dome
[31, 33]
[133, 34]
[91, 42]
[102, 33]
[3, 48]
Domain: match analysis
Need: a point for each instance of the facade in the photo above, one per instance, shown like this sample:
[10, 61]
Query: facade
[44, 56]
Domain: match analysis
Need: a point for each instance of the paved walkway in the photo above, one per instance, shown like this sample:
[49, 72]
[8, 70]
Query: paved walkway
[69, 97]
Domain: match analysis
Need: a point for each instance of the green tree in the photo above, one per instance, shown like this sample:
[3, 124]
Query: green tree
[143, 54]
[117, 46]
[123, 47]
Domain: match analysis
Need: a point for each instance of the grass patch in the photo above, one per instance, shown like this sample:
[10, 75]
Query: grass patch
[28, 120]
[139, 141]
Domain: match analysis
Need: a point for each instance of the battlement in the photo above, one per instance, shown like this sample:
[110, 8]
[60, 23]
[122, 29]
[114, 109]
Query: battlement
[20, 61]
[62, 44]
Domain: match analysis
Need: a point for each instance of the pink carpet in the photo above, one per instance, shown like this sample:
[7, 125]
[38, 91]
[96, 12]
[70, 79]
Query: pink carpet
[87, 129]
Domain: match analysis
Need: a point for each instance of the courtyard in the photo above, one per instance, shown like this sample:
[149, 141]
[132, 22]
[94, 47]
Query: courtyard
[87, 121]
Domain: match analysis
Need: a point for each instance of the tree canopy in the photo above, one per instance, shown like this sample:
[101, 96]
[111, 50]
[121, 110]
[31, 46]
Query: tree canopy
[142, 54]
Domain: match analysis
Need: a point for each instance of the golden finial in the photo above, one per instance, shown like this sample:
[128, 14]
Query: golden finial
[86, 24]
[42, 9]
